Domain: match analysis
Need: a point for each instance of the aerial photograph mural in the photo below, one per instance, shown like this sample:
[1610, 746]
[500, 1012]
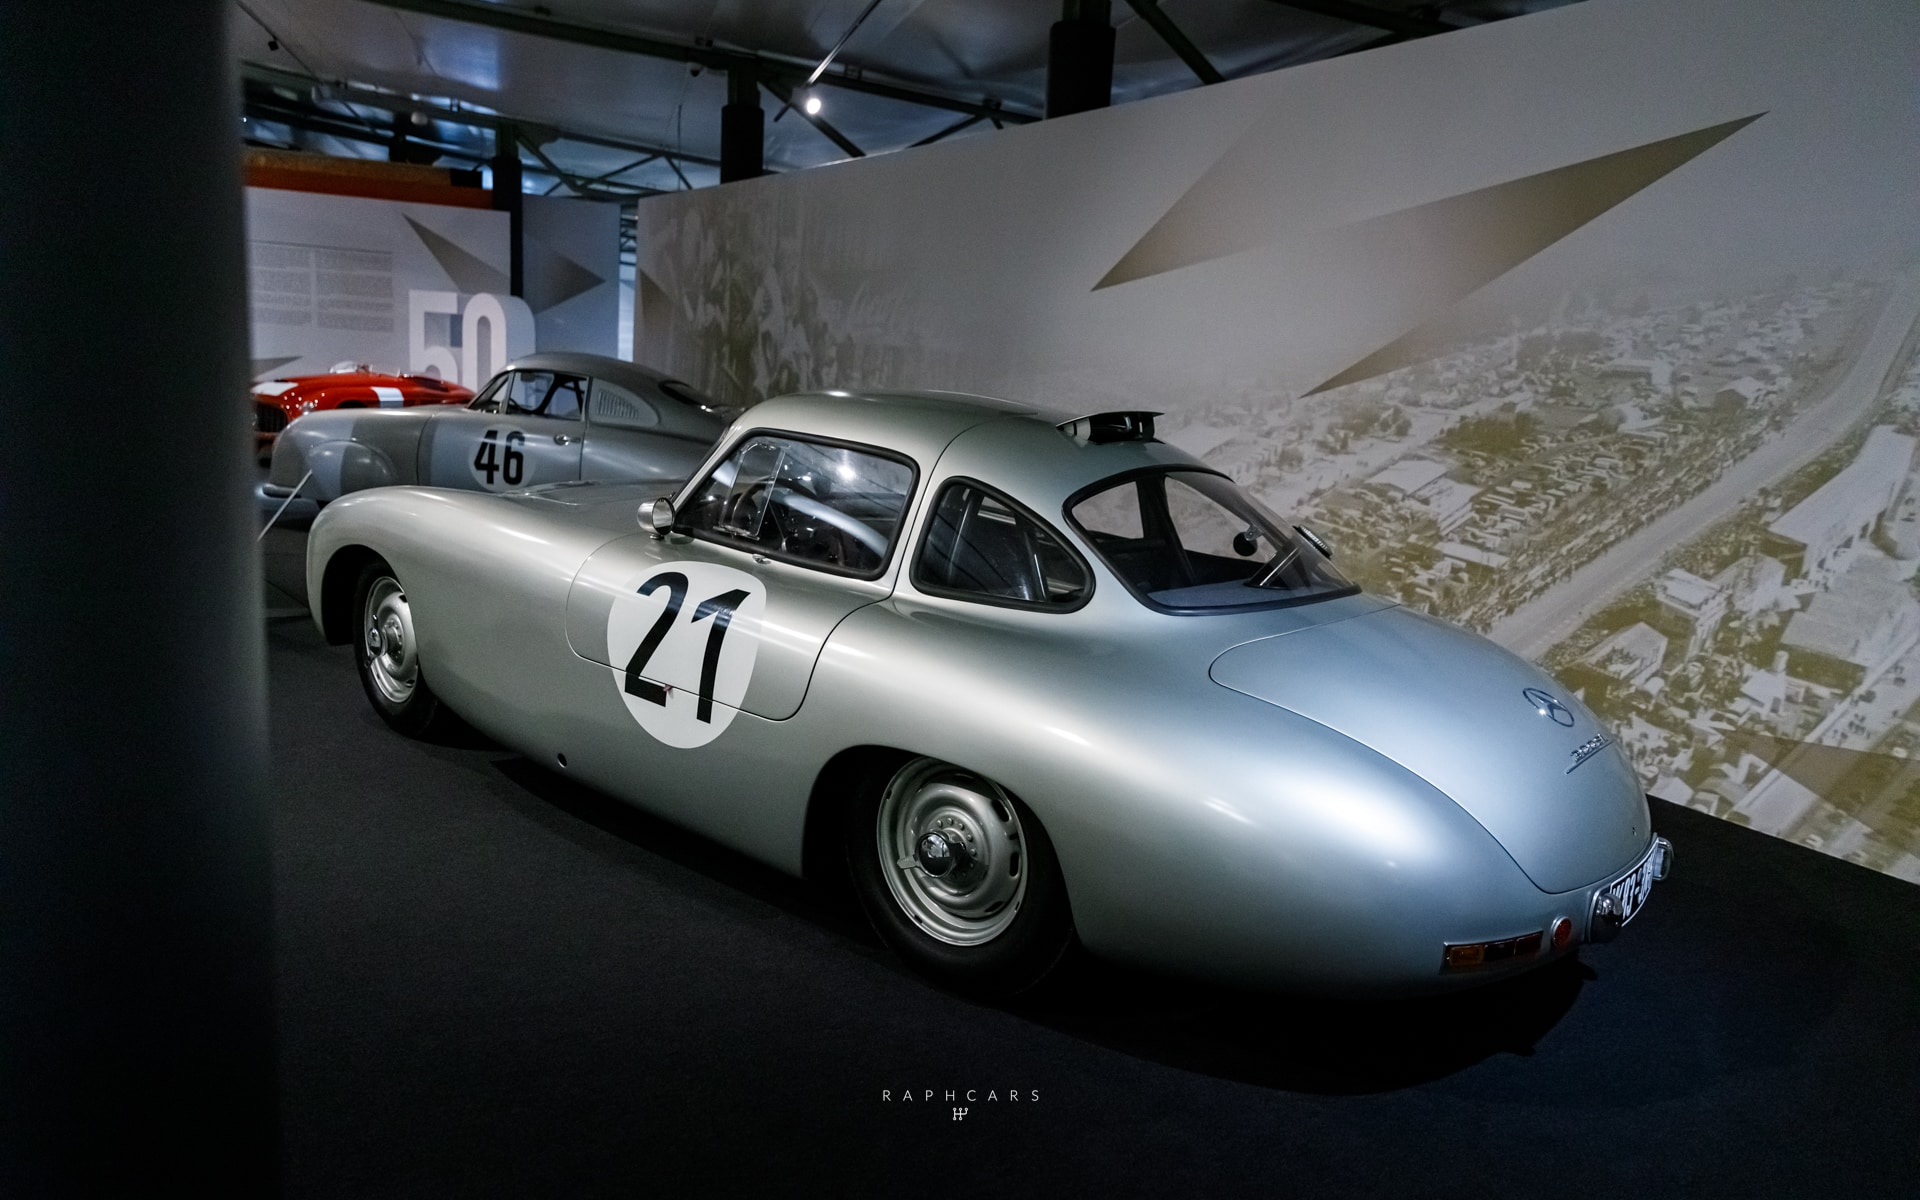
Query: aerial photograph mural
[1616, 365]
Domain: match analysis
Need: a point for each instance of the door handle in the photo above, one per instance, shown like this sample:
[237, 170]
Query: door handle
[563, 439]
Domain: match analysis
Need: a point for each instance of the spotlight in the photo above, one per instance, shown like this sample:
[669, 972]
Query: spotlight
[811, 104]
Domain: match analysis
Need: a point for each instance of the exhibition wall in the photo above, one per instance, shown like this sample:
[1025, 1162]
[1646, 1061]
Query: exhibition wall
[1593, 330]
[571, 251]
[425, 287]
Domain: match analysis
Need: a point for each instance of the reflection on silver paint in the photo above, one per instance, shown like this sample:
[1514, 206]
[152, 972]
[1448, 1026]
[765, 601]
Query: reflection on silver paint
[1317, 796]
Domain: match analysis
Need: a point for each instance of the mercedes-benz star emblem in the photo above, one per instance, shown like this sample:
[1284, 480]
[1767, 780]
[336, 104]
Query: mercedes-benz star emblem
[1544, 704]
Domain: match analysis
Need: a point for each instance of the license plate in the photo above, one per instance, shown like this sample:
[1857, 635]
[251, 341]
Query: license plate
[1631, 890]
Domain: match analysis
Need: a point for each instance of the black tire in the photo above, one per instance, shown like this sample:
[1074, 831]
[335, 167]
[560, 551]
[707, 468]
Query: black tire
[385, 654]
[949, 926]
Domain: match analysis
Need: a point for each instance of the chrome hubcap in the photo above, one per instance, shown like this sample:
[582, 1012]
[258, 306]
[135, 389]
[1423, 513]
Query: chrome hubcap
[387, 624]
[952, 852]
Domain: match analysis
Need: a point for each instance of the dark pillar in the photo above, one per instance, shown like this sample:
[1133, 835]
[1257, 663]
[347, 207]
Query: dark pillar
[403, 147]
[1080, 58]
[743, 128]
[136, 1041]
[398, 148]
[508, 197]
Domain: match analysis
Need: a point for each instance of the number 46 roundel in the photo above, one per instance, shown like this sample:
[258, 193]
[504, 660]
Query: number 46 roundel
[683, 639]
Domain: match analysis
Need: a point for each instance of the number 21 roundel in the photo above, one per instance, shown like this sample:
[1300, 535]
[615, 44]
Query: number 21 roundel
[683, 638]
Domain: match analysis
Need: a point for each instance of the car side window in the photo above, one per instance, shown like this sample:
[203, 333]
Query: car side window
[838, 508]
[543, 394]
[620, 407]
[567, 399]
[982, 546]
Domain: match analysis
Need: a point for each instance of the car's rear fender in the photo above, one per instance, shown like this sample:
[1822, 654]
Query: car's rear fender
[347, 451]
[1194, 826]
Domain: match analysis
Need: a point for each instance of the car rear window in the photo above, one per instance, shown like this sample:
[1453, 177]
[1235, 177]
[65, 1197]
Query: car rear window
[1190, 541]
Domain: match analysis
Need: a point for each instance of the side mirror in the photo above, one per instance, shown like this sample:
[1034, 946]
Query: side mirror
[1313, 539]
[660, 516]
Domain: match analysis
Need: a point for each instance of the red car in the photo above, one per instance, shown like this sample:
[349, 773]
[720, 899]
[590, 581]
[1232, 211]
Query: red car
[348, 385]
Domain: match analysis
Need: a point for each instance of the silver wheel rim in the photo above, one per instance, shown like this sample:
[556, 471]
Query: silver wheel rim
[386, 633]
[973, 818]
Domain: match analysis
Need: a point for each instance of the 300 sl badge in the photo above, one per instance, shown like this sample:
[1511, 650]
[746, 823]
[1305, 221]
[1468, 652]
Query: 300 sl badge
[1587, 749]
[688, 634]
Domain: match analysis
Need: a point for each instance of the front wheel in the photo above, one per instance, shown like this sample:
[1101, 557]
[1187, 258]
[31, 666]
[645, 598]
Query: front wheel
[388, 653]
[957, 877]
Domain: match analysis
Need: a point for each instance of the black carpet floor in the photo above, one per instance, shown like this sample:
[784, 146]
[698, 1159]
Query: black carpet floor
[495, 983]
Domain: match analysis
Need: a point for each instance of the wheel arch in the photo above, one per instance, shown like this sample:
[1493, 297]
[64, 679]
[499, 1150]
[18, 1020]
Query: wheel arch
[835, 786]
[821, 860]
[336, 591]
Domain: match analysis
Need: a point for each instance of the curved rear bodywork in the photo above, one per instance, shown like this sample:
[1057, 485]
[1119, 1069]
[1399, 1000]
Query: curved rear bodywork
[1453, 710]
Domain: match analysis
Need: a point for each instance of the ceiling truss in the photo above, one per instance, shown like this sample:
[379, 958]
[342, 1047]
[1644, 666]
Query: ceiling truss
[768, 68]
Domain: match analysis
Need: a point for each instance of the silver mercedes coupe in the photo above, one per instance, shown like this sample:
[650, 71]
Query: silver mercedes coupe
[544, 418]
[1023, 679]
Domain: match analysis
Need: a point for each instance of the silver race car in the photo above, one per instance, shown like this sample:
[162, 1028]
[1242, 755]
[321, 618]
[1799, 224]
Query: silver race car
[545, 418]
[1023, 679]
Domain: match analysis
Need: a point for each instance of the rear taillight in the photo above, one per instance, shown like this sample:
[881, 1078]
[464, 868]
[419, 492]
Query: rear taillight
[1461, 956]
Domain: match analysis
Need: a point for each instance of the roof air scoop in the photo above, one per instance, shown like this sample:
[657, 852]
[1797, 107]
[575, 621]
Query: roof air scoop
[1098, 429]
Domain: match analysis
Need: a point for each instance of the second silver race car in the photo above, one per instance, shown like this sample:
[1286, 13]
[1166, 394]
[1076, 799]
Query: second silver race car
[1023, 678]
[545, 418]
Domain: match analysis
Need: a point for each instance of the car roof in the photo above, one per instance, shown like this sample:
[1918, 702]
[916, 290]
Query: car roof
[613, 370]
[1042, 466]
[1018, 448]
[916, 423]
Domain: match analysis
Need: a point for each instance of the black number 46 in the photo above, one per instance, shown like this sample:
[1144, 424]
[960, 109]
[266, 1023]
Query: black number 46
[721, 608]
[511, 465]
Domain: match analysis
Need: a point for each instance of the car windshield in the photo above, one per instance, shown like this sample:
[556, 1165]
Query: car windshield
[1190, 541]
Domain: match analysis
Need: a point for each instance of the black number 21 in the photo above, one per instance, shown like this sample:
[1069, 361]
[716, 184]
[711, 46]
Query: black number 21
[721, 608]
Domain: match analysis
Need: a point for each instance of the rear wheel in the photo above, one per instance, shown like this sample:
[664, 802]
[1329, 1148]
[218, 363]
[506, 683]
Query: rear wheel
[957, 877]
[388, 653]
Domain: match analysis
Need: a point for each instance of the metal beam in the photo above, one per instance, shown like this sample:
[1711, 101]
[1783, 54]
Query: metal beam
[638, 162]
[581, 187]
[784, 95]
[1151, 12]
[813, 76]
[350, 93]
[315, 120]
[318, 120]
[1405, 24]
[719, 58]
[949, 131]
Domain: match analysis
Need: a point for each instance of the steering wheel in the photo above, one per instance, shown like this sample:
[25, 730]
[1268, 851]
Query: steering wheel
[741, 505]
